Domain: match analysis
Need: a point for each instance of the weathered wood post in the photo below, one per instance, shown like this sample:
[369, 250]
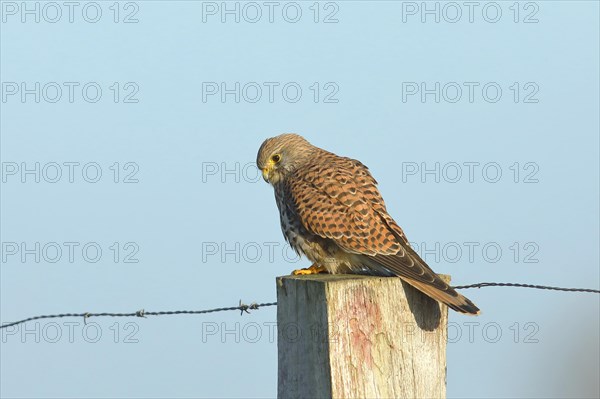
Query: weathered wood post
[349, 336]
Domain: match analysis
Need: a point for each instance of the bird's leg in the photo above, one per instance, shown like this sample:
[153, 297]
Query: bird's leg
[314, 269]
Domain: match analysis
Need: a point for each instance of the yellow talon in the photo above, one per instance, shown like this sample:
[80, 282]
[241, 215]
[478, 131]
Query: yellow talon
[310, 270]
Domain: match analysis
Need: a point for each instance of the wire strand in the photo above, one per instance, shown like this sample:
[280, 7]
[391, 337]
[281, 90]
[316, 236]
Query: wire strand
[539, 287]
[142, 313]
[255, 306]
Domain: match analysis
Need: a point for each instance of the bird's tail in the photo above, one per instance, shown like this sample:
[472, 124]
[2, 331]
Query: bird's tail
[412, 269]
[449, 297]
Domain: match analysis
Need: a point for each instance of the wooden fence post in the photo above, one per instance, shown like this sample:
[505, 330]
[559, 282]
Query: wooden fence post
[349, 336]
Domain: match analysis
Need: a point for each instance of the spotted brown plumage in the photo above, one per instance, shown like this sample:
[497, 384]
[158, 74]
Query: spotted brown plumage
[332, 212]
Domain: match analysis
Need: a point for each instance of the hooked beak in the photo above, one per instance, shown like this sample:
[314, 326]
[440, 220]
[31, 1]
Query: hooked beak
[265, 172]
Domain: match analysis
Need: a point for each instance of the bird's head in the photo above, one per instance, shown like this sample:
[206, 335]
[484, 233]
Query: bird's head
[282, 155]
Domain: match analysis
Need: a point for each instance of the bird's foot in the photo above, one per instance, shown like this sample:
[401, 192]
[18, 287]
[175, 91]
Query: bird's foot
[314, 269]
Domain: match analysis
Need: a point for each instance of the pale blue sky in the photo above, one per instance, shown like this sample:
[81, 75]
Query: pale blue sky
[183, 217]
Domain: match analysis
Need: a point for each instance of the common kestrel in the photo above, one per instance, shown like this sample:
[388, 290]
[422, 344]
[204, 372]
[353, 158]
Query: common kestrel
[331, 211]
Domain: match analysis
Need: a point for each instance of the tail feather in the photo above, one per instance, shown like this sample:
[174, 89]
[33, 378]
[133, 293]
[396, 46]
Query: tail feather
[412, 269]
[450, 297]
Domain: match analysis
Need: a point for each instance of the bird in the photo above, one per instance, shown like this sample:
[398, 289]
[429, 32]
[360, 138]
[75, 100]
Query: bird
[331, 211]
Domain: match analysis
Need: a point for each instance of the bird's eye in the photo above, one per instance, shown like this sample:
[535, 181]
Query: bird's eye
[276, 158]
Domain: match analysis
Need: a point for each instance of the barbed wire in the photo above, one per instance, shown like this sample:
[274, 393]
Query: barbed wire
[142, 313]
[255, 306]
[539, 287]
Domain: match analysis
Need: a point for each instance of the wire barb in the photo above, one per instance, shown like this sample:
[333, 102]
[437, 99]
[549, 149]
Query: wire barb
[245, 308]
